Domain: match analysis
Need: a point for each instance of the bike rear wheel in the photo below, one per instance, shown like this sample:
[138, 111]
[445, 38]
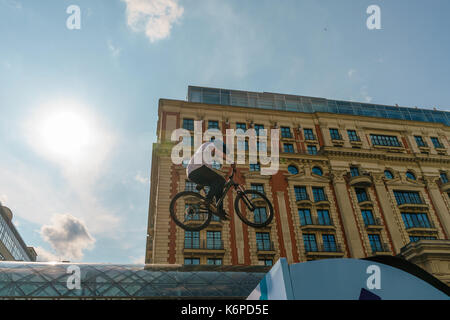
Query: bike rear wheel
[253, 208]
[188, 210]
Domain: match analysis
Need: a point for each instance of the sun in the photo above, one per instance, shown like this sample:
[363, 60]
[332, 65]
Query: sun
[63, 131]
[65, 134]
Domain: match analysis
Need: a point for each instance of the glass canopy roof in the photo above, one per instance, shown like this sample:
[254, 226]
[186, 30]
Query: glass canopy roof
[50, 280]
[284, 102]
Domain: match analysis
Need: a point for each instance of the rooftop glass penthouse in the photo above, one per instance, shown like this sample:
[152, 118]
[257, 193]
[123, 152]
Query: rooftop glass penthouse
[284, 102]
[12, 247]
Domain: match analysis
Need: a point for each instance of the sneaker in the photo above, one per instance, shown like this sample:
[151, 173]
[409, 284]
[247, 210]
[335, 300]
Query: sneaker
[210, 206]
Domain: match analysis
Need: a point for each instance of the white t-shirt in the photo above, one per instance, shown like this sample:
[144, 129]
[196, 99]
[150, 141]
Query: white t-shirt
[201, 158]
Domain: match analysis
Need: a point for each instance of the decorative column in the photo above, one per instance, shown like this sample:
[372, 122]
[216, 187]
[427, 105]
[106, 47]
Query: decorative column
[438, 203]
[348, 218]
[392, 228]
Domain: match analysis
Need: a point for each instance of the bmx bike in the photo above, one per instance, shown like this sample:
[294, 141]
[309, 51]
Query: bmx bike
[191, 212]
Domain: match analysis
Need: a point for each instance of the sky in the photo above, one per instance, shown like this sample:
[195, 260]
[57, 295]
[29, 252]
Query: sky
[78, 107]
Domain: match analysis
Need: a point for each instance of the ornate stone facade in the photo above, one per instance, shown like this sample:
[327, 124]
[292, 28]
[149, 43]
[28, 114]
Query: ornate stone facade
[378, 197]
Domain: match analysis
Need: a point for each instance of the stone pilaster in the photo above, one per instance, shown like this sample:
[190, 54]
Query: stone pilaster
[348, 219]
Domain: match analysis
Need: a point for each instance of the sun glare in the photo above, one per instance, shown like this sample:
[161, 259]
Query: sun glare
[65, 132]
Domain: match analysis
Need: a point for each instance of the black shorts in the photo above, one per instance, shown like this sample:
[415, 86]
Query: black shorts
[205, 176]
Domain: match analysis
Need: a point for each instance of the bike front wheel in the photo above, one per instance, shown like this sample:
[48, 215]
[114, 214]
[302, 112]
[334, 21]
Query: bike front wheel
[188, 210]
[253, 208]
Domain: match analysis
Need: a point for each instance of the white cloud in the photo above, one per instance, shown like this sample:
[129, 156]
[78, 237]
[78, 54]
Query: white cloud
[45, 256]
[154, 17]
[13, 4]
[115, 51]
[3, 199]
[141, 179]
[351, 72]
[365, 94]
[138, 260]
[68, 236]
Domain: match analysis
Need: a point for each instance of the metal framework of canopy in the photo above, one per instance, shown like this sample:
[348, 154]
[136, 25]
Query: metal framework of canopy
[25, 280]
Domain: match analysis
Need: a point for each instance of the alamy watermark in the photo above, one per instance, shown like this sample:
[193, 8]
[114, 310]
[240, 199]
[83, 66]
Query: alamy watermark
[74, 280]
[374, 20]
[256, 147]
[73, 22]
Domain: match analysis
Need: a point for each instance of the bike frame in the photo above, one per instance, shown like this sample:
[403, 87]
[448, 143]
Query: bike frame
[239, 189]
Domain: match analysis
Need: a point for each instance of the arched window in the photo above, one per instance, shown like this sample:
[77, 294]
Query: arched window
[388, 174]
[410, 175]
[317, 170]
[292, 169]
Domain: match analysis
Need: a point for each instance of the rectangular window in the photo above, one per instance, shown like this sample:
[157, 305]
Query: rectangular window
[419, 141]
[354, 171]
[368, 217]
[361, 194]
[195, 261]
[417, 238]
[375, 243]
[212, 124]
[214, 261]
[305, 217]
[444, 178]
[388, 141]
[329, 243]
[353, 136]
[409, 197]
[415, 220]
[188, 124]
[260, 214]
[319, 194]
[436, 142]
[300, 193]
[241, 125]
[258, 127]
[190, 186]
[263, 241]
[255, 167]
[312, 150]
[266, 262]
[242, 145]
[324, 217]
[310, 242]
[257, 187]
[309, 134]
[335, 135]
[288, 148]
[192, 239]
[261, 146]
[214, 240]
[286, 132]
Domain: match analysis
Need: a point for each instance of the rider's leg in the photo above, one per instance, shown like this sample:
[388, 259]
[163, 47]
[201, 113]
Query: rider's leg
[208, 177]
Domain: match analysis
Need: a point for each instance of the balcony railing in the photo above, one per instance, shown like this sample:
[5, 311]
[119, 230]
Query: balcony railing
[310, 137]
[420, 225]
[314, 221]
[375, 222]
[324, 248]
[265, 246]
[204, 245]
[380, 247]
[355, 139]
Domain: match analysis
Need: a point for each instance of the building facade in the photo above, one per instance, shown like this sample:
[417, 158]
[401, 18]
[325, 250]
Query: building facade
[12, 246]
[354, 180]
